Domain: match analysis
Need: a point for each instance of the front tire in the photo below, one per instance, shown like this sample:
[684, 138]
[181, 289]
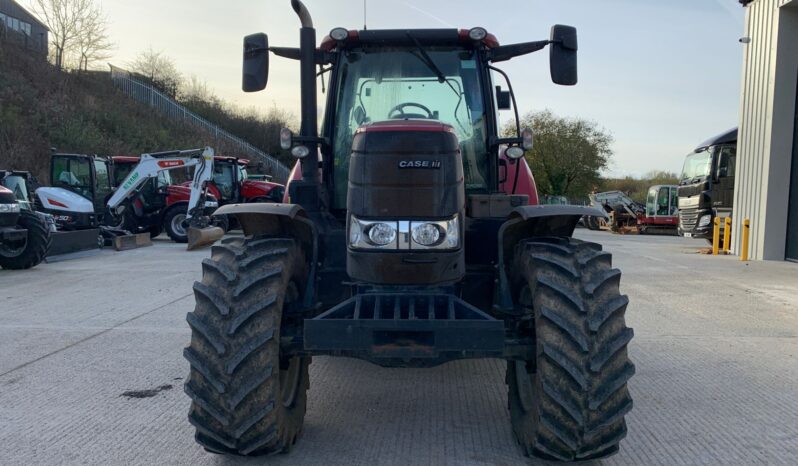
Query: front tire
[33, 250]
[569, 402]
[248, 398]
[174, 222]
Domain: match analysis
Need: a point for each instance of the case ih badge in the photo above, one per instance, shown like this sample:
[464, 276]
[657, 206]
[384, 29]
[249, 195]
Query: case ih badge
[420, 164]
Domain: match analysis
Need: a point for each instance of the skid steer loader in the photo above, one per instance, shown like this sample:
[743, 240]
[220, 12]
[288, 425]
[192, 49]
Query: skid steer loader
[399, 248]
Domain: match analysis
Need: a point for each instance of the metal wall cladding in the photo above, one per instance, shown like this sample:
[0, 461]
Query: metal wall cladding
[405, 174]
[767, 110]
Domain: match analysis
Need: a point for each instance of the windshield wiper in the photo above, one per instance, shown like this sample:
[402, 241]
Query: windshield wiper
[427, 60]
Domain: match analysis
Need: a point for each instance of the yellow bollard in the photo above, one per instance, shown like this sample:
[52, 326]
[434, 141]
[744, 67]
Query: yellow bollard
[716, 237]
[744, 244]
[726, 235]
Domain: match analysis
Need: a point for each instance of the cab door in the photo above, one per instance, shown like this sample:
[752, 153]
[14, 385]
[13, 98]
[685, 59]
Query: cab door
[723, 187]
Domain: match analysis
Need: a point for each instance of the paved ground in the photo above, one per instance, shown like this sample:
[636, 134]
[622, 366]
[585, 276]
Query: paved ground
[716, 383]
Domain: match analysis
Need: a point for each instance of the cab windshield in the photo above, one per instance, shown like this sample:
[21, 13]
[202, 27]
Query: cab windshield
[397, 83]
[696, 167]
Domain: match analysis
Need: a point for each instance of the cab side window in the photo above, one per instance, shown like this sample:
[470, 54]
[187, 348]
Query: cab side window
[727, 161]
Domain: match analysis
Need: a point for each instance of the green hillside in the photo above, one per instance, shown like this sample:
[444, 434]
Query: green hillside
[41, 108]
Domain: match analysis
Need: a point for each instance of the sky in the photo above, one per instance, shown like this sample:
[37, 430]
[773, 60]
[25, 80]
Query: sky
[660, 75]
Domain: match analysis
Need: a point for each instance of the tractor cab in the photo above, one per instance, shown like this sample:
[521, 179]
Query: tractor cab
[232, 183]
[89, 176]
[20, 184]
[228, 174]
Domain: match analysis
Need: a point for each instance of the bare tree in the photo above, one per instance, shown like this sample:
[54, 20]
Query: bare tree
[93, 43]
[159, 69]
[195, 89]
[78, 30]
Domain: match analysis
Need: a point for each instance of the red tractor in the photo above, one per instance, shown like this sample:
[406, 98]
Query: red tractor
[231, 183]
[408, 243]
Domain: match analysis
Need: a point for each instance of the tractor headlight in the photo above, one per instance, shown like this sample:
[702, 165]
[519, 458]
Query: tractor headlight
[404, 235]
[704, 220]
[211, 204]
[426, 234]
[439, 234]
[382, 234]
[369, 234]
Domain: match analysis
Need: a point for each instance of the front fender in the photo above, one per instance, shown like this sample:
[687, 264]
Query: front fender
[287, 220]
[529, 222]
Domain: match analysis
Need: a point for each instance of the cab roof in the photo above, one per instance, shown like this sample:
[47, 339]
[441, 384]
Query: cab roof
[728, 137]
[402, 37]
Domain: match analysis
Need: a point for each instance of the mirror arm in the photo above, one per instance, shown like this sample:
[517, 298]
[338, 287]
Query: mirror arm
[286, 52]
[496, 142]
[292, 53]
[506, 52]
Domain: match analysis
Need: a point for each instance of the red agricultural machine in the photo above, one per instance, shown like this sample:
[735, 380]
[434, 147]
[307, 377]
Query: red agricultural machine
[408, 244]
[231, 183]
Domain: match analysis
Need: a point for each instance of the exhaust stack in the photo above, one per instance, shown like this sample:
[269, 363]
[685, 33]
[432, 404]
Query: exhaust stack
[307, 61]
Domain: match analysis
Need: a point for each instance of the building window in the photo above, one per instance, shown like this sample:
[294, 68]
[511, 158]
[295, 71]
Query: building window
[3, 19]
[25, 27]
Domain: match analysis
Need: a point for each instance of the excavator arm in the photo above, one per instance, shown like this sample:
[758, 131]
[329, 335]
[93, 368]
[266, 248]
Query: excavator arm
[151, 164]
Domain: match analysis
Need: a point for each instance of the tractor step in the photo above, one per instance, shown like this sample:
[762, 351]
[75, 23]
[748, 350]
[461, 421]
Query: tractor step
[377, 326]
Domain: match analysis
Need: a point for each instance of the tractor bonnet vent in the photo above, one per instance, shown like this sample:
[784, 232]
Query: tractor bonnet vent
[406, 169]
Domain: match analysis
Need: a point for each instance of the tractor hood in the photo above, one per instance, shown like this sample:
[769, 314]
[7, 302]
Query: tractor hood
[406, 168]
[255, 188]
[183, 191]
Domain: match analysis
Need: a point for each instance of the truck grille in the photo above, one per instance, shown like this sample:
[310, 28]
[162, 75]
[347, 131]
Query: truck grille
[688, 218]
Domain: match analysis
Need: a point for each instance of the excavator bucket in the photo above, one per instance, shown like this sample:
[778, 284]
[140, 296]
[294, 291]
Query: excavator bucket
[201, 237]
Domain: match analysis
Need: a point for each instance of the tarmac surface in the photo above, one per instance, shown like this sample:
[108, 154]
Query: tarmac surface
[91, 370]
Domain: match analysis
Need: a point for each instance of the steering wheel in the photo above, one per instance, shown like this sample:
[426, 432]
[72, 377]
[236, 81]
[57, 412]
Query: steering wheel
[398, 112]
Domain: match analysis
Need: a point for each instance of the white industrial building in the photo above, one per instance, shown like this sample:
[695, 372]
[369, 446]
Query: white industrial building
[766, 183]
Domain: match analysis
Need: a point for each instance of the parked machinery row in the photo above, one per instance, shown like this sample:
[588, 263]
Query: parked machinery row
[92, 197]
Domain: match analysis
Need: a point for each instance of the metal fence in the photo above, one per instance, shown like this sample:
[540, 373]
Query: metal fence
[148, 95]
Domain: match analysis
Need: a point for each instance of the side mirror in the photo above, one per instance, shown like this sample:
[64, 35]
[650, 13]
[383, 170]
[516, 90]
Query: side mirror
[502, 99]
[562, 56]
[256, 62]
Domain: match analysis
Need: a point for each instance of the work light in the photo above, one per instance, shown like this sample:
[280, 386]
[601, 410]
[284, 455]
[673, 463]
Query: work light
[477, 33]
[300, 152]
[339, 34]
[514, 152]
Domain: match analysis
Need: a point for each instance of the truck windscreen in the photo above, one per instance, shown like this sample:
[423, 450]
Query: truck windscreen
[696, 167]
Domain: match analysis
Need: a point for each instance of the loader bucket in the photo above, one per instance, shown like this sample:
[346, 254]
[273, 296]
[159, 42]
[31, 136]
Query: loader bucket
[201, 237]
